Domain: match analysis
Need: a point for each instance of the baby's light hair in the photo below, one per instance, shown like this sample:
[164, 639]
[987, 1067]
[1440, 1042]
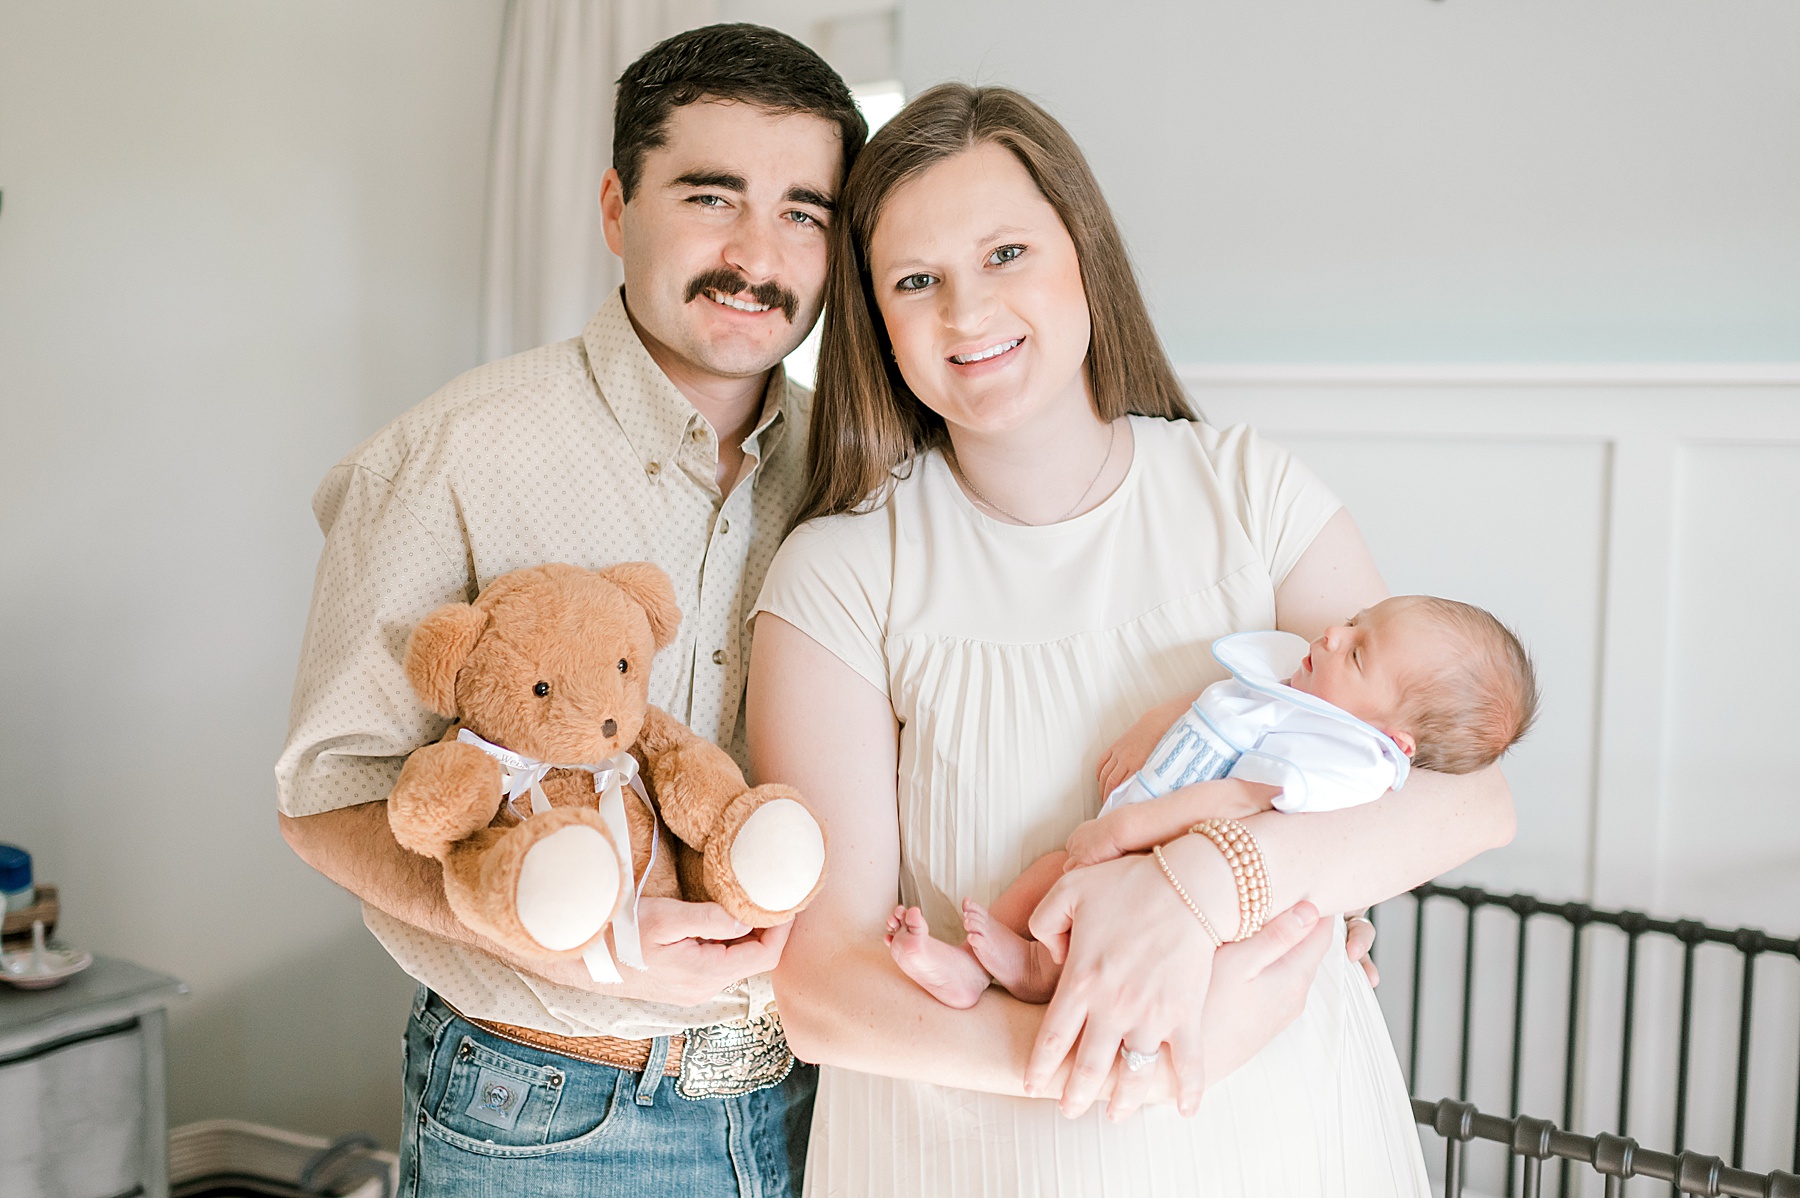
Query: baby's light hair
[1480, 703]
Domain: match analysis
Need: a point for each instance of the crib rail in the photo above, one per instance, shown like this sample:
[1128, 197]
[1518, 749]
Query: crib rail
[1616, 1158]
[1608, 1152]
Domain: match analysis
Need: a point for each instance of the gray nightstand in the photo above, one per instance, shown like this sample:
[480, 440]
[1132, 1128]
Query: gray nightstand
[82, 1110]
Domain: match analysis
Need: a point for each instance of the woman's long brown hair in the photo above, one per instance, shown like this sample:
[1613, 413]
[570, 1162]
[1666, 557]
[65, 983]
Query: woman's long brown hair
[866, 423]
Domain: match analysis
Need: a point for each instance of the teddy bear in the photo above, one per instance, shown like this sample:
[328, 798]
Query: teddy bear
[559, 794]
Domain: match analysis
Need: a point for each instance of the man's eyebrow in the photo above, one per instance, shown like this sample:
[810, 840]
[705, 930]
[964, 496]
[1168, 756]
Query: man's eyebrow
[806, 195]
[722, 180]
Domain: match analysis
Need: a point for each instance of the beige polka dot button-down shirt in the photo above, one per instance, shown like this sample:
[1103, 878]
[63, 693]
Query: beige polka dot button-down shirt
[580, 452]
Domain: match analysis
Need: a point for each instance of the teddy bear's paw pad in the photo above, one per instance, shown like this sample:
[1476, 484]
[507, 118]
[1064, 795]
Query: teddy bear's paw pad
[568, 887]
[778, 855]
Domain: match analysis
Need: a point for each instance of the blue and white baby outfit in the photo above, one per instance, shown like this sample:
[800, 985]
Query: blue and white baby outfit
[1255, 727]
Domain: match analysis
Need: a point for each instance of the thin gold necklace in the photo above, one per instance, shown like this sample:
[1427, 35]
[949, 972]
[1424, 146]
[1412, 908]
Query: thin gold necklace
[1085, 492]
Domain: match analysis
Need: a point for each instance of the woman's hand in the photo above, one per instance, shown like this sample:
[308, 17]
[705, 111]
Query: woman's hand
[1259, 986]
[1359, 945]
[1133, 959]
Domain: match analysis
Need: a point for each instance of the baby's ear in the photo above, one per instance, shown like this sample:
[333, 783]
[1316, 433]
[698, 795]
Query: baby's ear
[1404, 739]
[650, 589]
[437, 650]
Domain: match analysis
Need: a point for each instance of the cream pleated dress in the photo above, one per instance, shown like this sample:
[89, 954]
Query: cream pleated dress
[1014, 656]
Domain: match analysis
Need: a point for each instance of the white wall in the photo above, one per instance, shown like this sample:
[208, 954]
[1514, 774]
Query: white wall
[1409, 180]
[236, 237]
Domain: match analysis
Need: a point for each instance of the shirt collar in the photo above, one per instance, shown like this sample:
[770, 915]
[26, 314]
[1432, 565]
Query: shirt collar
[653, 413]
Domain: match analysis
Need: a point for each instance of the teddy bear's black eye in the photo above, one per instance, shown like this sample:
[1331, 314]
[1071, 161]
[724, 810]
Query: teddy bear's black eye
[541, 689]
[624, 666]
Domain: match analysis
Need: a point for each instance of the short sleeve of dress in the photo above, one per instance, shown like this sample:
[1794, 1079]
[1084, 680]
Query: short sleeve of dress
[1281, 504]
[831, 579]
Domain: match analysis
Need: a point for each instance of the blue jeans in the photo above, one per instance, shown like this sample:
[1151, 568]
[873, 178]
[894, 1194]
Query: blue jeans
[487, 1117]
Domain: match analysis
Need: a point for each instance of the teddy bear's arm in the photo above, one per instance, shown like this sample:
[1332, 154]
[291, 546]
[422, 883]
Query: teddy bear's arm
[761, 852]
[693, 779]
[446, 792]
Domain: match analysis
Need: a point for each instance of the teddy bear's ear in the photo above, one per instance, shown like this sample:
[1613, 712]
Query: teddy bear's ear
[437, 650]
[651, 590]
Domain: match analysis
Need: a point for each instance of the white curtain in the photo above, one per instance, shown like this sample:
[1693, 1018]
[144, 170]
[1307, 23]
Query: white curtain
[546, 265]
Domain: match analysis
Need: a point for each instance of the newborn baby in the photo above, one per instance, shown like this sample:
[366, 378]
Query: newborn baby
[1412, 681]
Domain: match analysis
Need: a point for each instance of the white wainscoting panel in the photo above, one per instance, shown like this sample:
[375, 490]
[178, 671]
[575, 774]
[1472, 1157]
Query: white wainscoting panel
[1731, 726]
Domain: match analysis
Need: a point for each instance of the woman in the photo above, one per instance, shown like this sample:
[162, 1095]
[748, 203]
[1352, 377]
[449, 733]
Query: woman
[1003, 572]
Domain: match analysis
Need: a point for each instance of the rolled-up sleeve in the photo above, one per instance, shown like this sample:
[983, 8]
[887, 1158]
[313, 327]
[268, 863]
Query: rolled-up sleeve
[354, 716]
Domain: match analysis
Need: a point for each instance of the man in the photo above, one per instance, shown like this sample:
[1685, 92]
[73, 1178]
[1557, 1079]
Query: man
[665, 432]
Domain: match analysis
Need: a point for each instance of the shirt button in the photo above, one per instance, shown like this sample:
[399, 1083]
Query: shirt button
[724, 527]
[718, 657]
[698, 433]
[653, 469]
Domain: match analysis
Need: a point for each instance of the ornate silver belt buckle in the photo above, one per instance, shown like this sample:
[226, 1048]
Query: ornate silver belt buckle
[729, 1059]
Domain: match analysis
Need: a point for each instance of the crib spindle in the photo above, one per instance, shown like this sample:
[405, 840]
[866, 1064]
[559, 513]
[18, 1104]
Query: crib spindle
[1578, 915]
[1750, 942]
[1468, 1006]
[1633, 923]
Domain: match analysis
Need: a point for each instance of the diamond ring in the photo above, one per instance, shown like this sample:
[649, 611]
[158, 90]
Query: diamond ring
[1134, 1061]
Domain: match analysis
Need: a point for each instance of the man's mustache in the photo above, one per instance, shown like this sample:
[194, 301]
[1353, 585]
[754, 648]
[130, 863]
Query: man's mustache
[730, 282]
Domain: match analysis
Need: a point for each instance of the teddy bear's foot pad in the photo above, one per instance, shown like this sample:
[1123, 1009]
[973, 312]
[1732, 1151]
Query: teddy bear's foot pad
[568, 887]
[778, 855]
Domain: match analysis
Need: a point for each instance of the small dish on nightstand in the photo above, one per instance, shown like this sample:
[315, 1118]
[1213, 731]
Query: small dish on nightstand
[41, 967]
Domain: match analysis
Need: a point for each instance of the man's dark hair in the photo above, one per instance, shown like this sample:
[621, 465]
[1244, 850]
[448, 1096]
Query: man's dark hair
[749, 64]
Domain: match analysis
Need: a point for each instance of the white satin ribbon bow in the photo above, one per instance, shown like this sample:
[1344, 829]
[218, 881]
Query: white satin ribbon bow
[522, 775]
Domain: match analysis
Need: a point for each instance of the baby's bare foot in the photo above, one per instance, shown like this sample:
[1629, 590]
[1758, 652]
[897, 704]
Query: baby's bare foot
[947, 973]
[1024, 967]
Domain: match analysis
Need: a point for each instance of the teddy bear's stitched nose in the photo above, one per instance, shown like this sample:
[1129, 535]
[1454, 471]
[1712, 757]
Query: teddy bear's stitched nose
[609, 728]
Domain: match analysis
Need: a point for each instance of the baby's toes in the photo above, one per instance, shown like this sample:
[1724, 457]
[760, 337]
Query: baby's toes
[978, 925]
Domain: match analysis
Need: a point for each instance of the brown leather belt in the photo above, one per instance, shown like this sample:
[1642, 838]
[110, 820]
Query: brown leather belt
[630, 1055]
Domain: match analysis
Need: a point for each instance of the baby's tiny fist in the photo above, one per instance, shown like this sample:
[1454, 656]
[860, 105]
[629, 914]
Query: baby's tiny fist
[1091, 843]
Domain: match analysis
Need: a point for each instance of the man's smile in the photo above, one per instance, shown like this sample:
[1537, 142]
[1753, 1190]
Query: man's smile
[742, 305]
[726, 288]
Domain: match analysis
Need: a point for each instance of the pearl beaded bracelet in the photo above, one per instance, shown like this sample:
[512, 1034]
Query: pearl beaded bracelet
[1249, 873]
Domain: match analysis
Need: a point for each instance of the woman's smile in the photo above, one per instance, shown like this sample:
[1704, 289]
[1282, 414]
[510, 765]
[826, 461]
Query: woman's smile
[982, 355]
[996, 356]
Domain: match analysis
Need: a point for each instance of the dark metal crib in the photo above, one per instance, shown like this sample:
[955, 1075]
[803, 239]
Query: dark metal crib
[1524, 1154]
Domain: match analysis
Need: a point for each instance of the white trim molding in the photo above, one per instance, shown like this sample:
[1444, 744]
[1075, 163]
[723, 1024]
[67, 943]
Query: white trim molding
[1451, 374]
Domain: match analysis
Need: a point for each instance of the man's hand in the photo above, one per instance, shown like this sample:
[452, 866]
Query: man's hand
[691, 952]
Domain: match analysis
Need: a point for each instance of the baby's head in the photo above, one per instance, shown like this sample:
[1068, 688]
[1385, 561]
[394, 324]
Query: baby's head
[1447, 681]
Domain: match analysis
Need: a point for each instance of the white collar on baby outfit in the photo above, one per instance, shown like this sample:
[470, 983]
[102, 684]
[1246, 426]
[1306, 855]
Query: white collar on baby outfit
[1262, 661]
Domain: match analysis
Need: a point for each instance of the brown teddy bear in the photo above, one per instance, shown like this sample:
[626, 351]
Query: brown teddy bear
[534, 802]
